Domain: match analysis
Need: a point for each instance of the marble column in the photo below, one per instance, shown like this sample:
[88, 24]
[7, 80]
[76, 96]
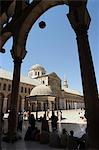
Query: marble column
[42, 106]
[66, 104]
[22, 104]
[75, 105]
[79, 19]
[5, 105]
[50, 105]
[37, 110]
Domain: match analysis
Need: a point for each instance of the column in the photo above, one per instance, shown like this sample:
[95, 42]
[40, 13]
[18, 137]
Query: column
[42, 106]
[37, 110]
[22, 104]
[75, 105]
[0, 120]
[12, 121]
[66, 104]
[50, 105]
[5, 105]
[79, 19]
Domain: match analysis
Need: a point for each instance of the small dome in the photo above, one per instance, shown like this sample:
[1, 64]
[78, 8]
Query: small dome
[36, 71]
[41, 90]
[37, 67]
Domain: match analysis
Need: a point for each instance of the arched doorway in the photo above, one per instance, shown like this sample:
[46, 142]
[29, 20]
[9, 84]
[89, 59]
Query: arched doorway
[80, 27]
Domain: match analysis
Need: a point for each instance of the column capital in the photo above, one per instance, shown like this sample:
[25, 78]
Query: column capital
[18, 55]
[79, 17]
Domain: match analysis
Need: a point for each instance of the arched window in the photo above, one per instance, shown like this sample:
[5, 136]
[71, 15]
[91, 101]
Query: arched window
[4, 87]
[35, 73]
[29, 90]
[22, 89]
[25, 90]
[9, 87]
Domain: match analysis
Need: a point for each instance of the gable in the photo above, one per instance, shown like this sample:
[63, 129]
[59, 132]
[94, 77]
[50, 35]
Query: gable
[54, 75]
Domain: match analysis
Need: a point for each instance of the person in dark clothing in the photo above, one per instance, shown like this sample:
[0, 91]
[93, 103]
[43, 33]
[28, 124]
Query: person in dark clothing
[45, 126]
[30, 133]
[32, 121]
[83, 141]
[54, 120]
[20, 121]
[72, 143]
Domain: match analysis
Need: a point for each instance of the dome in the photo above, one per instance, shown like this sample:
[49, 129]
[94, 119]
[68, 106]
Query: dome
[36, 71]
[41, 90]
[37, 67]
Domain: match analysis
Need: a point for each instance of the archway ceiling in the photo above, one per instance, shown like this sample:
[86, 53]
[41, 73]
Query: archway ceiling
[23, 16]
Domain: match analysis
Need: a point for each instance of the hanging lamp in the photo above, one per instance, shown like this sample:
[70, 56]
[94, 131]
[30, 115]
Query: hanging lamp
[42, 24]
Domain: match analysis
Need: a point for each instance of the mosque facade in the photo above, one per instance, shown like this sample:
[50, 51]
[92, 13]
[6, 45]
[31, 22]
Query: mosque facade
[39, 91]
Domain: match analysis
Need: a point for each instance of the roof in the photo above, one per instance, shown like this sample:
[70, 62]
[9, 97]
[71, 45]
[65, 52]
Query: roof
[24, 79]
[41, 90]
[53, 74]
[71, 91]
[37, 66]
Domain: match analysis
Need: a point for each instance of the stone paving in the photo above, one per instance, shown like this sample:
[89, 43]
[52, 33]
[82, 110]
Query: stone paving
[21, 145]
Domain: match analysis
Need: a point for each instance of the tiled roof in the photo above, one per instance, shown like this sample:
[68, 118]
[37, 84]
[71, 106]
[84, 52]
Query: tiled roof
[24, 79]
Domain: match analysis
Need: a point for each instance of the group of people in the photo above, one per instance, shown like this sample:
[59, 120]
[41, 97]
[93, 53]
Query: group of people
[54, 138]
[44, 126]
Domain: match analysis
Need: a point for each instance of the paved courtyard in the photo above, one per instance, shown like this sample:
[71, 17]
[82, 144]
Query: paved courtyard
[21, 145]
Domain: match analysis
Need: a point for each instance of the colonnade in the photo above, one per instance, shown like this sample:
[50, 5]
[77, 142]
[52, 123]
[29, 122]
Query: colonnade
[66, 104]
[6, 104]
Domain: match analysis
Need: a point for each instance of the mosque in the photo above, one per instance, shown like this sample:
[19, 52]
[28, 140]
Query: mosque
[39, 91]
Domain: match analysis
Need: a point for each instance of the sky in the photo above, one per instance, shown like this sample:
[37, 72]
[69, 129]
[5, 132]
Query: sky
[55, 46]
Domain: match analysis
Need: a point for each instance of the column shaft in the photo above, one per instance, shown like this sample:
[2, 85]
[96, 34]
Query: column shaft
[12, 121]
[89, 88]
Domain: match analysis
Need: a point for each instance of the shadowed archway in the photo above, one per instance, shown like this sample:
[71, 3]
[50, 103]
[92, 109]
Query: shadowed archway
[80, 20]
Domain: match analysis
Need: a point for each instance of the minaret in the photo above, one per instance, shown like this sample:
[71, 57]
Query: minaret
[65, 84]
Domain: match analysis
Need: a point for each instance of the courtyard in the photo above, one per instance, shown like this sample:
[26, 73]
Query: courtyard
[72, 120]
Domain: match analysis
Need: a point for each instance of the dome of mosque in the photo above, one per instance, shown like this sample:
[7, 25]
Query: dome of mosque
[37, 67]
[36, 71]
[41, 90]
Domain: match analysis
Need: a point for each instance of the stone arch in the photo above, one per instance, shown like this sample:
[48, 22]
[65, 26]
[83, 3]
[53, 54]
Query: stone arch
[29, 20]
[1, 101]
[29, 17]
